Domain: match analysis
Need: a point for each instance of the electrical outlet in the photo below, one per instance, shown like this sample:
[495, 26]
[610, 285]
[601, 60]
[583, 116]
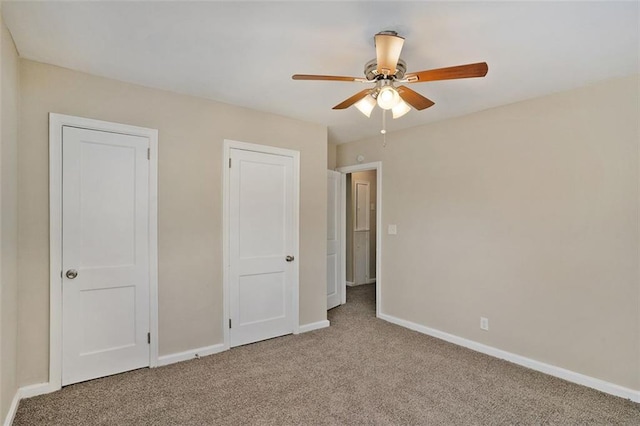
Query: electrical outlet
[392, 230]
[484, 323]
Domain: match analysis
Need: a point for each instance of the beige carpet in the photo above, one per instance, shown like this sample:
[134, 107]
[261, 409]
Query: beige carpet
[361, 370]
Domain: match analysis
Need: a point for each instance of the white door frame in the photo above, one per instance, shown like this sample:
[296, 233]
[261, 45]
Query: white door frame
[226, 178]
[377, 166]
[56, 122]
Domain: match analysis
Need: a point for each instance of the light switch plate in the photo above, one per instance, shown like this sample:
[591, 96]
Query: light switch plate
[392, 230]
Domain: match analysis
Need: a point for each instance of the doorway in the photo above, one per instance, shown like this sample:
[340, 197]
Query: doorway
[361, 228]
[361, 222]
[103, 245]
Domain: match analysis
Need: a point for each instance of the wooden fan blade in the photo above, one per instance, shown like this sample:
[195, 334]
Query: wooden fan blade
[352, 100]
[461, 71]
[414, 99]
[326, 78]
[388, 48]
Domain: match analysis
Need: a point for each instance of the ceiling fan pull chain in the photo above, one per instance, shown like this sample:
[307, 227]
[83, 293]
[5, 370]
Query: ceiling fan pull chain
[384, 128]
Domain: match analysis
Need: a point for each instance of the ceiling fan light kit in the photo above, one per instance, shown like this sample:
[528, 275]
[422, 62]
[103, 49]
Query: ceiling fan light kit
[388, 97]
[366, 105]
[400, 109]
[387, 70]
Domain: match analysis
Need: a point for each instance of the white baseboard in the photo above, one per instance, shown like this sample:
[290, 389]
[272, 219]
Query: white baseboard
[313, 326]
[26, 392]
[8, 420]
[220, 347]
[190, 354]
[369, 281]
[552, 370]
[37, 389]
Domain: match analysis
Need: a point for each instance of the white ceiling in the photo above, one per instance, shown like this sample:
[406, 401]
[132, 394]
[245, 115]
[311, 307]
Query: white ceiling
[244, 53]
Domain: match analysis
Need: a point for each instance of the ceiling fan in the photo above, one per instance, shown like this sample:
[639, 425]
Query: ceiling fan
[386, 71]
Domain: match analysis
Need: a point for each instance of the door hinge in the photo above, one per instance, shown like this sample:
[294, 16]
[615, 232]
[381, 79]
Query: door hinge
[148, 338]
[148, 153]
[229, 162]
[229, 322]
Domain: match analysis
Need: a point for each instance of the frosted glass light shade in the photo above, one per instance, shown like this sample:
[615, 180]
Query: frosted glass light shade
[366, 104]
[388, 97]
[400, 109]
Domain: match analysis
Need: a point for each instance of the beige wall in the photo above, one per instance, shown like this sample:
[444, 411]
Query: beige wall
[332, 152]
[9, 99]
[191, 134]
[366, 176]
[526, 214]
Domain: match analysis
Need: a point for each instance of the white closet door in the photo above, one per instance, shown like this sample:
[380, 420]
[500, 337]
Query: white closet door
[261, 246]
[362, 195]
[361, 257]
[105, 254]
[361, 232]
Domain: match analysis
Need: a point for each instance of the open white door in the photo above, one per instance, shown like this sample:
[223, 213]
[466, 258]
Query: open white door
[334, 268]
[105, 253]
[261, 246]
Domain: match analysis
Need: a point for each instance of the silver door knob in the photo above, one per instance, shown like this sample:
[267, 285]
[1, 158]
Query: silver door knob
[289, 258]
[71, 274]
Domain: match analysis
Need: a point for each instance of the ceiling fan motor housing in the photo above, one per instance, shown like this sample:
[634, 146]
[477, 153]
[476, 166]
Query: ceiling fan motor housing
[371, 73]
